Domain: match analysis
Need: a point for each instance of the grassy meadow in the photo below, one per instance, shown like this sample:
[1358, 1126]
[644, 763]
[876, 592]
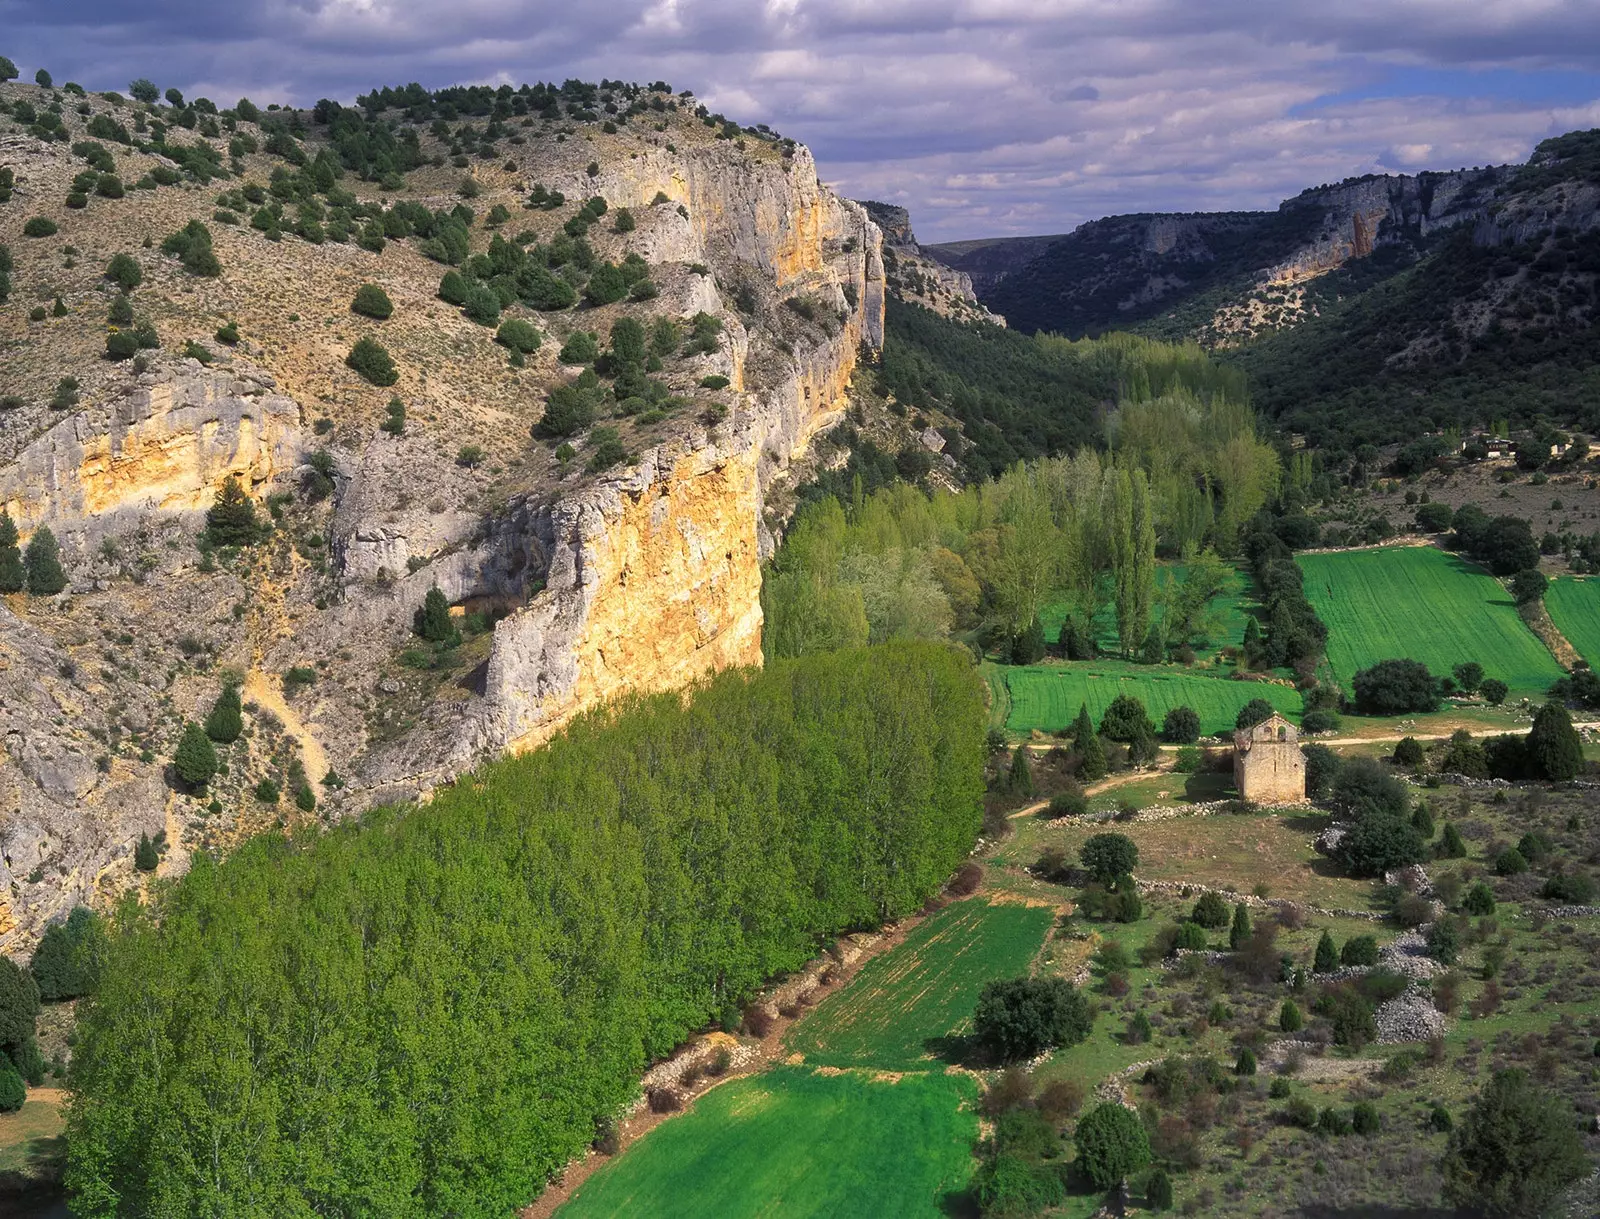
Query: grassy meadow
[798, 1142]
[896, 1011]
[1420, 603]
[1047, 697]
[1574, 606]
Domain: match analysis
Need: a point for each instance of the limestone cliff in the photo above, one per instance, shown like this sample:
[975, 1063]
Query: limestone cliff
[572, 585]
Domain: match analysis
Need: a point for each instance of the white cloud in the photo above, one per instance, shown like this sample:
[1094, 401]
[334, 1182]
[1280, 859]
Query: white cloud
[982, 116]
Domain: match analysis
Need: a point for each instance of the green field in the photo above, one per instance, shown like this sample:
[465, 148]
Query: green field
[1047, 697]
[793, 1142]
[1423, 604]
[1230, 607]
[1574, 607]
[924, 989]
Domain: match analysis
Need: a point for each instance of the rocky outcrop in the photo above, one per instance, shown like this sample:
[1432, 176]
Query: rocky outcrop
[67, 819]
[915, 275]
[163, 445]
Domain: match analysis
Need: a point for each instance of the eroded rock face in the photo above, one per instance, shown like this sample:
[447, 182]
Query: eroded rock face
[163, 446]
[916, 275]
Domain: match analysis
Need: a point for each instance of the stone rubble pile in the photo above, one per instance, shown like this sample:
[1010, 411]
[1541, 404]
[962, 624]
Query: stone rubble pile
[1410, 1016]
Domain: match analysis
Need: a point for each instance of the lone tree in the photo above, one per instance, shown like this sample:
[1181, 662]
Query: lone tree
[1515, 1150]
[1327, 958]
[1553, 745]
[1393, 687]
[195, 760]
[1112, 1145]
[226, 720]
[1019, 780]
[1240, 931]
[1181, 726]
[8, 70]
[1211, 911]
[13, 576]
[46, 576]
[146, 855]
[231, 520]
[1494, 691]
[1019, 1018]
[433, 618]
[143, 91]
[1125, 719]
[1109, 857]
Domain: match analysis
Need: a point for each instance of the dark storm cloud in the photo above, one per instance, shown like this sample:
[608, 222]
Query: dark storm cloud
[980, 115]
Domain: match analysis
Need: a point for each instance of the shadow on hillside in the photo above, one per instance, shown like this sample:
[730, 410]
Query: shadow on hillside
[35, 1190]
[1379, 1211]
[1307, 823]
[959, 1204]
[959, 1050]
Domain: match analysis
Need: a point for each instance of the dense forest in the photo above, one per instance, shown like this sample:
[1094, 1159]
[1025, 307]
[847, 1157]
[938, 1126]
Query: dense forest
[1381, 364]
[1084, 530]
[1020, 396]
[431, 1011]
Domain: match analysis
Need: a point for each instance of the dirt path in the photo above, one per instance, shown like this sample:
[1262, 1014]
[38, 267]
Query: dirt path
[1104, 785]
[261, 690]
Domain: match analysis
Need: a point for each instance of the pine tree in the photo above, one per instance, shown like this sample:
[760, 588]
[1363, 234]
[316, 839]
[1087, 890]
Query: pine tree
[231, 519]
[1327, 958]
[433, 619]
[226, 720]
[195, 760]
[46, 576]
[1553, 745]
[1091, 753]
[12, 575]
[145, 855]
[1289, 1018]
[1020, 779]
[1240, 931]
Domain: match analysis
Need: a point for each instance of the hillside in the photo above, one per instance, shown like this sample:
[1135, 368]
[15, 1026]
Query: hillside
[609, 542]
[1472, 293]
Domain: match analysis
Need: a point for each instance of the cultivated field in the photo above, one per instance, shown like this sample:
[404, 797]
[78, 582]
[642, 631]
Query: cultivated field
[798, 1142]
[1574, 607]
[895, 1012]
[1047, 697]
[1424, 604]
[1230, 607]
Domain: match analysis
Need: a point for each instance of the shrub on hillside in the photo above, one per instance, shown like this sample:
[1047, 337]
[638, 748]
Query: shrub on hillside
[1515, 1150]
[1211, 911]
[1108, 857]
[39, 226]
[372, 301]
[518, 335]
[372, 362]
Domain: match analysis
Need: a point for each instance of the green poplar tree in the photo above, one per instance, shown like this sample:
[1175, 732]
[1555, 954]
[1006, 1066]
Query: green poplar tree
[46, 577]
[12, 574]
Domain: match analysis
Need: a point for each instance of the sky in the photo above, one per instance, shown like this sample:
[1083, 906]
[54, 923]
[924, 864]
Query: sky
[983, 117]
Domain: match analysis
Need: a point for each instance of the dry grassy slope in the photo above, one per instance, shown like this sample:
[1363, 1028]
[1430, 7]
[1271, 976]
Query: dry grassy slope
[642, 577]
